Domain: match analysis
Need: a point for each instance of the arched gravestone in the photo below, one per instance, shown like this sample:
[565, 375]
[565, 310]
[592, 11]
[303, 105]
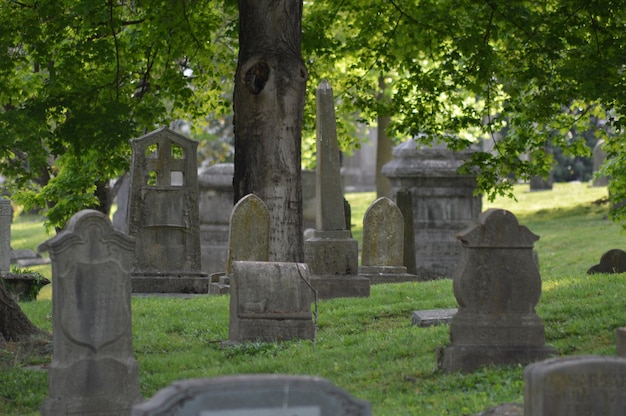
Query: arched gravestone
[93, 371]
[163, 214]
[443, 202]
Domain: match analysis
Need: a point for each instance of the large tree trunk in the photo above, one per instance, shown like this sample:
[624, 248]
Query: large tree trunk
[269, 103]
[14, 324]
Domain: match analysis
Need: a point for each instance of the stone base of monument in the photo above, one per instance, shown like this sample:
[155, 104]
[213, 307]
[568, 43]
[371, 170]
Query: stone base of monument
[387, 274]
[270, 301]
[186, 282]
[621, 342]
[220, 284]
[330, 287]
[96, 384]
[466, 359]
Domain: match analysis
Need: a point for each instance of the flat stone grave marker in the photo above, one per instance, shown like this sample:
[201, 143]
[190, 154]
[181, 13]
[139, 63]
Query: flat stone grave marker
[431, 317]
[613, 261]
[93, 371]
[253, 395]
[576, 386]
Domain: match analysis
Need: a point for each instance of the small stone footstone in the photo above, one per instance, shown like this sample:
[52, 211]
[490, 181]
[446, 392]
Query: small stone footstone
[431, 317]
[507, 409]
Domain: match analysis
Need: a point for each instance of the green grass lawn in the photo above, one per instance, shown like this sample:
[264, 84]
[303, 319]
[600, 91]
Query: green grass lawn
[368, 346]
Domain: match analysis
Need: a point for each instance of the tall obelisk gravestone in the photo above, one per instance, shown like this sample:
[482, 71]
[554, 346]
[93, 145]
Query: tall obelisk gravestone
[332, 254]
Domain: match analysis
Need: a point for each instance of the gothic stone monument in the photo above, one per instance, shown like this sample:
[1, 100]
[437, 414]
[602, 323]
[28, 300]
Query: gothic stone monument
[331, 252]
[163, 214]
[253, 395]
[443, 202]
[497, 286]
[93, 371]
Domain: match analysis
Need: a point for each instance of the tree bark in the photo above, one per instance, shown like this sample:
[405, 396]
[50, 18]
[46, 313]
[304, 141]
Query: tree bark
[383, 149]
[14, 324]
[268, 104]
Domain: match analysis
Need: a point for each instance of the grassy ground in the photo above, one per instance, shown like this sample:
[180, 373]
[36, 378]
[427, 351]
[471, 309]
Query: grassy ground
[368, 346]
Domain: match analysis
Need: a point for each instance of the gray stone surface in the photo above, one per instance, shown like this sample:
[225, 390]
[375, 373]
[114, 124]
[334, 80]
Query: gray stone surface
[93, 371]
[270, 301]
[215, 184]
[431, 317]
[576, 386]
[404, 200]
[253, 395]
[163, 214]
[382, 256]
[613, 261]
[6, 216]
[443, 203]
[537, 183]
[249, 231]
[621, 342]
[120, 217]
[331, 253]
[598, 157]
[497, 286]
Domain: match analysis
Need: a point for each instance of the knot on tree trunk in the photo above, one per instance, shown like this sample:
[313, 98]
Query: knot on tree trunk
[256, 77]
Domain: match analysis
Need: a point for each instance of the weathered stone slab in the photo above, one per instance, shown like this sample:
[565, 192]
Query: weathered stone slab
[431, 317]
[92, 371]
[249, 236]
[598, 158]
[270, 301]
[253, 395]
[497, 286]
[216, 197]
[576, 386]
[163, 214]
[613, 261]
[404, 200]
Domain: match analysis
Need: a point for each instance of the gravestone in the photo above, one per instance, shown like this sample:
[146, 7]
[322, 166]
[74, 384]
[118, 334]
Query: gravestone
[598, 157]
[443, 202]
[308, 199]
[253, 395]
[163, 214]
[538, 183]
[432, 317]
[621, 342]
[270, 301]
[576, 386]
[404, 200]
[249, 238]
[497, 286]
[27, 258]
[382, 256]
[215, 206]
[93, 371]
[6, 216]
[613, 261]
[331, 252]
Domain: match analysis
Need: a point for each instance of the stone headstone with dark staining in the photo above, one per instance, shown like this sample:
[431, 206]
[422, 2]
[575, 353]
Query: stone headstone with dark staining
[331, 252]
[93, 371]
[497, 286]
[382, 256]
[270, 301]
[576, 386]
[163, 214]
[613, 261]
[443, 202]
[620, 343]
[404, 200]
[253, 395]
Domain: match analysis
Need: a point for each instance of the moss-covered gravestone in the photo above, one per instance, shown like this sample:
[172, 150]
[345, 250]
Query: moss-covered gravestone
[497, 286]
